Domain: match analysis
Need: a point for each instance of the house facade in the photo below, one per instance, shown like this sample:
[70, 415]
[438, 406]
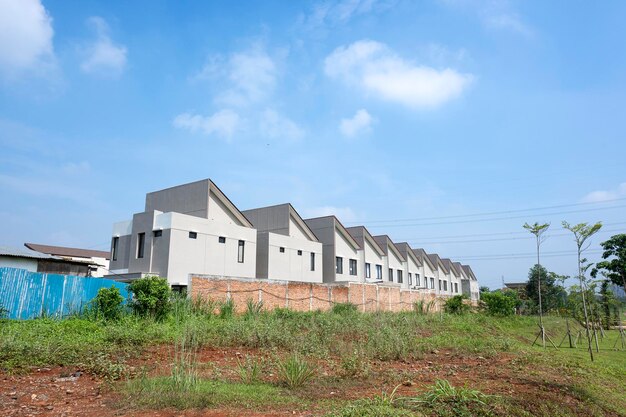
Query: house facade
[33, 261]
[412, 266]
[371, 255]
[429, 271]
[98, 260]
[470, 284]
[340, 252]
[190, 228]
[287, 249]
[394, 261]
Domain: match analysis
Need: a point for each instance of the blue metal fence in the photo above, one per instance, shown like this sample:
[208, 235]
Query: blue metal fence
[27, 295]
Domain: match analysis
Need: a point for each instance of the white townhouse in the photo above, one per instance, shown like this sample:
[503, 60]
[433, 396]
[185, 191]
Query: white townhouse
[287, 249]
[441, 274]
[188, 229]
[429, 271]
[412, 266]
[372, 256]
[340, 252]
[470, 283]
[455, 276]
[394, 261]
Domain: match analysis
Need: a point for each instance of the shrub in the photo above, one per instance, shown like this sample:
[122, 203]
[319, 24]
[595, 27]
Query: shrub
[150, 297]
[295, 372]
[455, 305]
[227, 308]
[499, 303]
[344, 308]
[253, 308]
[108, 303]
[249, 370]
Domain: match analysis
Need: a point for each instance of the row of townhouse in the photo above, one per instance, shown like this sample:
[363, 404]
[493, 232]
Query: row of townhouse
[195, 229]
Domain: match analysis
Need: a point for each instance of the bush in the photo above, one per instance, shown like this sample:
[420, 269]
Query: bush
[108, 303]
[344, 308]
[499, 303]
[295, 372]
[150, 297]
[455, 305]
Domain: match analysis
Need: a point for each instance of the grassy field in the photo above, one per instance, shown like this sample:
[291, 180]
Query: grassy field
[341, 363]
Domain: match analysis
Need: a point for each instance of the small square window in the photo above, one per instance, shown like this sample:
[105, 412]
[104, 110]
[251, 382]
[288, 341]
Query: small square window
[193, 235]
[157, 233]
[299, 253]
[221, 239]
[281, 249]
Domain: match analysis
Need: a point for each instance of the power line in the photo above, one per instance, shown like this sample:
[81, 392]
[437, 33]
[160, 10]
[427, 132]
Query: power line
[492, 212]
[562, 252]
[495, 218]
[420, 242]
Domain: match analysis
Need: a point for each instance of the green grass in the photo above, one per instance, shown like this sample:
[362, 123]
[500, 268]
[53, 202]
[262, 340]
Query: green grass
[352, 339]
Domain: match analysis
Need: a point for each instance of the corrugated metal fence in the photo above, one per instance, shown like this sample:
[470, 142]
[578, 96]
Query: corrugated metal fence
[27, 295]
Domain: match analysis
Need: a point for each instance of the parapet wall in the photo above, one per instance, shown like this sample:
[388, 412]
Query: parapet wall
[301, 296]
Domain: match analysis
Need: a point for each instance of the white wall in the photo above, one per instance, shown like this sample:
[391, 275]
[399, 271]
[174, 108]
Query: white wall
[411, 267]
[396, 263]
[290, 266]
[205, 255]
[20, 263]
[371, 256]
[345, 250]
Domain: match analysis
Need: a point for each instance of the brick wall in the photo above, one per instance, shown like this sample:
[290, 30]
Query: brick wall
[300, 296]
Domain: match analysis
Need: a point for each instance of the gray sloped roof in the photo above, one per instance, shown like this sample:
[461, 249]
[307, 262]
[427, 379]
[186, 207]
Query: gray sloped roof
[25, 253]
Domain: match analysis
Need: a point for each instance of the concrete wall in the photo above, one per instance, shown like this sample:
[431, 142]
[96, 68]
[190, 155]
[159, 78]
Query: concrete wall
[191, 199]
[288, 265]
[308, 296]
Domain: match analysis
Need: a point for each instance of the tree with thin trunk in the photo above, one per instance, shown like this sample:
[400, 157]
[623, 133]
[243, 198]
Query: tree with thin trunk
[582, 232]
[538, 230]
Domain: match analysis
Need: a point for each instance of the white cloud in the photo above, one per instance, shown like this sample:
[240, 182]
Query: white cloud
[606, 195]
[276, 126]
[374, 68]
[494, 14]
[506, 21]
[360, 123]
[25, 36]
[333, 13]
[344, 214]
[224, 123]
[249, 76]
[103, 57]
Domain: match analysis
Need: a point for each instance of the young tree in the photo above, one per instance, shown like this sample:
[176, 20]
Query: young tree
[538, 230]
[544, 282]
[614, 269]
[582, 232]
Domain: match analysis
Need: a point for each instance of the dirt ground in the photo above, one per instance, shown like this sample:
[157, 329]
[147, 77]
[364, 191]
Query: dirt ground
[59, 391]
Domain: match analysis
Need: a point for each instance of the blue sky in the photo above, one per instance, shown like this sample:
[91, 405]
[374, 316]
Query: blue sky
[408, 117]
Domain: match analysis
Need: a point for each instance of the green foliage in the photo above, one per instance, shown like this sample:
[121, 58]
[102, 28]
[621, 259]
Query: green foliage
[4, 312]
[354, 364]
[553, 295]
[108, 303]
[227, 308]
[423, 306]
[455, 305]
[499, 303]
[150, 297]
[253, 308]
[344, 308]
[295, 372]
[614, 264]
[249, 370]
[444, 399]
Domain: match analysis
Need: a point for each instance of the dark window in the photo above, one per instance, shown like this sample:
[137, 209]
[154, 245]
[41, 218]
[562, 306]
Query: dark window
[399, 276]
[368, 271]
[439, 285]
[417, 280]
[339, 265]
[116, 241]
[193, 235]
[432, 283]
[456, 287]
[141, 240]
[157, 233]
[312, 261]
[299, 253]
[352, 266]
[281, 249]
[221, 239]
[445, 285]
[390, 277]
[240, 251]
[379, 272]
[410, 279]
